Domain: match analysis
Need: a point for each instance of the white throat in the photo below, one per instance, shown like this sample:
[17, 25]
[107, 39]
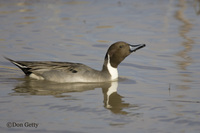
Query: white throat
[113, 71]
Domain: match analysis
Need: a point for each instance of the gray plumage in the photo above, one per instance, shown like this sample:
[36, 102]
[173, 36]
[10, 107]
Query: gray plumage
[77, 72]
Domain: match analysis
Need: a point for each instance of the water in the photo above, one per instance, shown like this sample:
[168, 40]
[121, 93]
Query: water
[158, 89]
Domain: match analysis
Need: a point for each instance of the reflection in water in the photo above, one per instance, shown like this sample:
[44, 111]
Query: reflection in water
[112, 100]
[74, 2]
[187, 43]
[197, 6]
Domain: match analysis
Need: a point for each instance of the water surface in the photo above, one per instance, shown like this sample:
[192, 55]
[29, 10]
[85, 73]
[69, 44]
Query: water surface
[158, 89]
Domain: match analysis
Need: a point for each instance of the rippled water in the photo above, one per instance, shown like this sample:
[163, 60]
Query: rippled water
[158, 89]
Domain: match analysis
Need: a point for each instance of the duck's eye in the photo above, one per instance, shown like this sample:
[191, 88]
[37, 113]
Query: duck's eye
[120, 46]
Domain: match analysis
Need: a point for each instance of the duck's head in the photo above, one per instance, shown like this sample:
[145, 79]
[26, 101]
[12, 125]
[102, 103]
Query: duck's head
[118, 51]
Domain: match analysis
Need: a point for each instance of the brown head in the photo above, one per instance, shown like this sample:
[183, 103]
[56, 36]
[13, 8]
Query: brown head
[118, 51]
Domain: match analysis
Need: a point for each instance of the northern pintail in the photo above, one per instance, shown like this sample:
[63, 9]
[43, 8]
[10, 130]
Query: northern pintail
[64, 72]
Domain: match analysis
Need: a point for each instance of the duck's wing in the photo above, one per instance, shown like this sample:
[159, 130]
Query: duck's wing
[37, 67]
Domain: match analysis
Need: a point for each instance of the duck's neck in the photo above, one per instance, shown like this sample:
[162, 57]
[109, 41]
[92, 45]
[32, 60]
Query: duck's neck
[107, 67]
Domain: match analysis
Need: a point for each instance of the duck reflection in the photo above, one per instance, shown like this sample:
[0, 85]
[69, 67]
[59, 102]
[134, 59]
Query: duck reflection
[112, 100]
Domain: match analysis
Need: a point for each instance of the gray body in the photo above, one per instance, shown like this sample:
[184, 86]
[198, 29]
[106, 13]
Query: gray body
[63, 72]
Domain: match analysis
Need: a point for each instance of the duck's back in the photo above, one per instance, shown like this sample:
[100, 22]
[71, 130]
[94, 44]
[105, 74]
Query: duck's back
[60, 71]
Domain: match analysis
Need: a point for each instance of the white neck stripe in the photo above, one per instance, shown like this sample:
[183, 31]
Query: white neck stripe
[113, 71]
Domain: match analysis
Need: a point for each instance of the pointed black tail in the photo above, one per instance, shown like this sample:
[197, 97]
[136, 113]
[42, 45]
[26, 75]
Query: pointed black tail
[23, 67]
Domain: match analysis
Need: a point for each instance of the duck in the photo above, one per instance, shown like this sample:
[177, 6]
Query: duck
[68, 72]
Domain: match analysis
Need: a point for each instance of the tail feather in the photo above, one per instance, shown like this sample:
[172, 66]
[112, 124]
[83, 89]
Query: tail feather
[23, 67]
